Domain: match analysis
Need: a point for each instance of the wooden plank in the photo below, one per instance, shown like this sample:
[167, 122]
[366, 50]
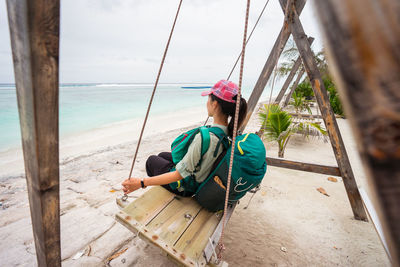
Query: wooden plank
[294, 86]
[303, 166]
[149, 205]
[209, 250]
[196, 237]
[151, 237]
[291, 75]
[327, 113]
[269, 66]
[34, 31]
[363, 41]
[172, 221]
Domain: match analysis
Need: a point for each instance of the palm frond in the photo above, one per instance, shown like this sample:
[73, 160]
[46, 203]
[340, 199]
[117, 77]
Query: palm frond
[308, 129]
[277, 123]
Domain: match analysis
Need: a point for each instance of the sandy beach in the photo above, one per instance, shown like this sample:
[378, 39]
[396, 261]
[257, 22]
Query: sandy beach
[288, 222]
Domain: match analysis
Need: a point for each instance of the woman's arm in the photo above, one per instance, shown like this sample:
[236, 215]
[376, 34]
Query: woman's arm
[132, 184]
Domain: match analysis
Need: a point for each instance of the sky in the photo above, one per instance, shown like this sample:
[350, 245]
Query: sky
[122, 41]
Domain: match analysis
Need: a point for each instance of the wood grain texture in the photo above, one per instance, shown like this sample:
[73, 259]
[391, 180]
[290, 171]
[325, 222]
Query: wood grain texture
[179, 226]
[303, 166]
[321, 95]
[34, 30]
[363, 44]
[172, 222]
[195, 238]
[216, 236]
[149, 205]
[152, 238]
[269, 66]
[291, 75]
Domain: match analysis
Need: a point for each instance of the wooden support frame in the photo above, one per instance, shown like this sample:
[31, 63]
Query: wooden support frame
[34, 30]
[321, 95]
[290, 77]
[269, 66]
[303, 166]
[365, 56]
[288, 80]
[294, 86]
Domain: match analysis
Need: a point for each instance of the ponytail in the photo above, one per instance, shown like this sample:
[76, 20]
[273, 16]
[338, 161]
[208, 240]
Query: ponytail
[229, 109]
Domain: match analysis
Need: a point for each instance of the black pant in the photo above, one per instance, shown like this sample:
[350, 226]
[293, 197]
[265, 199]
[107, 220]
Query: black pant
[156, 165]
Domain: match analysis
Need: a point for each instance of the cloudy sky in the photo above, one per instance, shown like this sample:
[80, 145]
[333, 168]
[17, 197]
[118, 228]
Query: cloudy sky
[123, 40]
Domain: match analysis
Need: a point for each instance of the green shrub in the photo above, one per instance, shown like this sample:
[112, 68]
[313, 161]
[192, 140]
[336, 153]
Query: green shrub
[304, 88]
[333, 96]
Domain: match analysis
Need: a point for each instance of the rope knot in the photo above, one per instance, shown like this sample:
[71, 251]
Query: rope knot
[221, 248]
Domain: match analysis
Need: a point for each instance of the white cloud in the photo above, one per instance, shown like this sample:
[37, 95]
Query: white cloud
[123, 41]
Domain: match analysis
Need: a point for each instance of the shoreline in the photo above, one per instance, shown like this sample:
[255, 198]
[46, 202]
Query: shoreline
[287, 223]
[109, 135]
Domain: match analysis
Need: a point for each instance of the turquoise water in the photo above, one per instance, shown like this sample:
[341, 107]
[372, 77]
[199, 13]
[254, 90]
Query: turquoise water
[88, 106]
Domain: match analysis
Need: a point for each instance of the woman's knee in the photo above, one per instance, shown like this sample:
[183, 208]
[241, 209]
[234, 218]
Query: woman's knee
[166, 155]
[149, 164]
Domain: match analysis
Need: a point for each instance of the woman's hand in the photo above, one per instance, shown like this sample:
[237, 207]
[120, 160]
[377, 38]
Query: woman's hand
[130, 185]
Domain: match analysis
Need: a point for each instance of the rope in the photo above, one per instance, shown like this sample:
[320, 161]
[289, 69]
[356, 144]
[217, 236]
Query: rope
[235, 126]
[248, 39]
[251, 33]
[221, 245]
[154, 90]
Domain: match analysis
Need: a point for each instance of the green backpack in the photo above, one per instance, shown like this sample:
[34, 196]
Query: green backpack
[180, 146]
[248, 170]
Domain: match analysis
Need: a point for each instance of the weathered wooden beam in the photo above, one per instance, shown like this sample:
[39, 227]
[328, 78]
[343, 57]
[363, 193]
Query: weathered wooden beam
[34, 31]
[288, 80]
[294, 86]
[306, 116]
[291, 75]
[303, 166]
[309, 116]
[363, 43]
[269, 66]
[209, 250]
[321, 95]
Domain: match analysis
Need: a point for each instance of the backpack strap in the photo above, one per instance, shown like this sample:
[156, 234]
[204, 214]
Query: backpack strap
[205, 139]
[205, 144]
[223, 139]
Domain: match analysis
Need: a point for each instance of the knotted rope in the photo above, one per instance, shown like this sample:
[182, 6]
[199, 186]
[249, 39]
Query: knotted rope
[235, 127]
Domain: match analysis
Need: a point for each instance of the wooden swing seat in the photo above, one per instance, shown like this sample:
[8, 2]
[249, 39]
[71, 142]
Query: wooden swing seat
[179, 226]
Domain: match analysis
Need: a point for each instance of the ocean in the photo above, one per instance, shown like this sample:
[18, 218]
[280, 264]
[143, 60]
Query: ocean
[85, 107]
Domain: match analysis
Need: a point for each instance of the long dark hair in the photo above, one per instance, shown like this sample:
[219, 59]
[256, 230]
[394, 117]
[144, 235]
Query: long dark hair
[228, 109]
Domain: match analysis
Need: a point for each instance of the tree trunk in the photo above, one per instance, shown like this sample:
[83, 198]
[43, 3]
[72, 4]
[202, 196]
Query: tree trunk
[281, 152]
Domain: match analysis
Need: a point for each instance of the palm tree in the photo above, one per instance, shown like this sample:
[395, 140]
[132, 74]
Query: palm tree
[279, 126]
[300, 103]
[291, 53]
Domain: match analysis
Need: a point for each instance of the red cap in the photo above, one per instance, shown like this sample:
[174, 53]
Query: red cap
[224, 90]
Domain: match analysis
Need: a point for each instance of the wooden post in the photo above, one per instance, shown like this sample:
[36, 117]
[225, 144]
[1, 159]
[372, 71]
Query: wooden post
[363, 44]
[290, 77]
[269, 66]
[34, 30]
[329, 117]
[294, 86]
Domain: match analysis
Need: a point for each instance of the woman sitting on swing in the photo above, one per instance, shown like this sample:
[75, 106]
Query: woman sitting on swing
[221, 106]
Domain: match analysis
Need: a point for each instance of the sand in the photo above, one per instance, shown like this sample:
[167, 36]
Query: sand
[288, 222]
